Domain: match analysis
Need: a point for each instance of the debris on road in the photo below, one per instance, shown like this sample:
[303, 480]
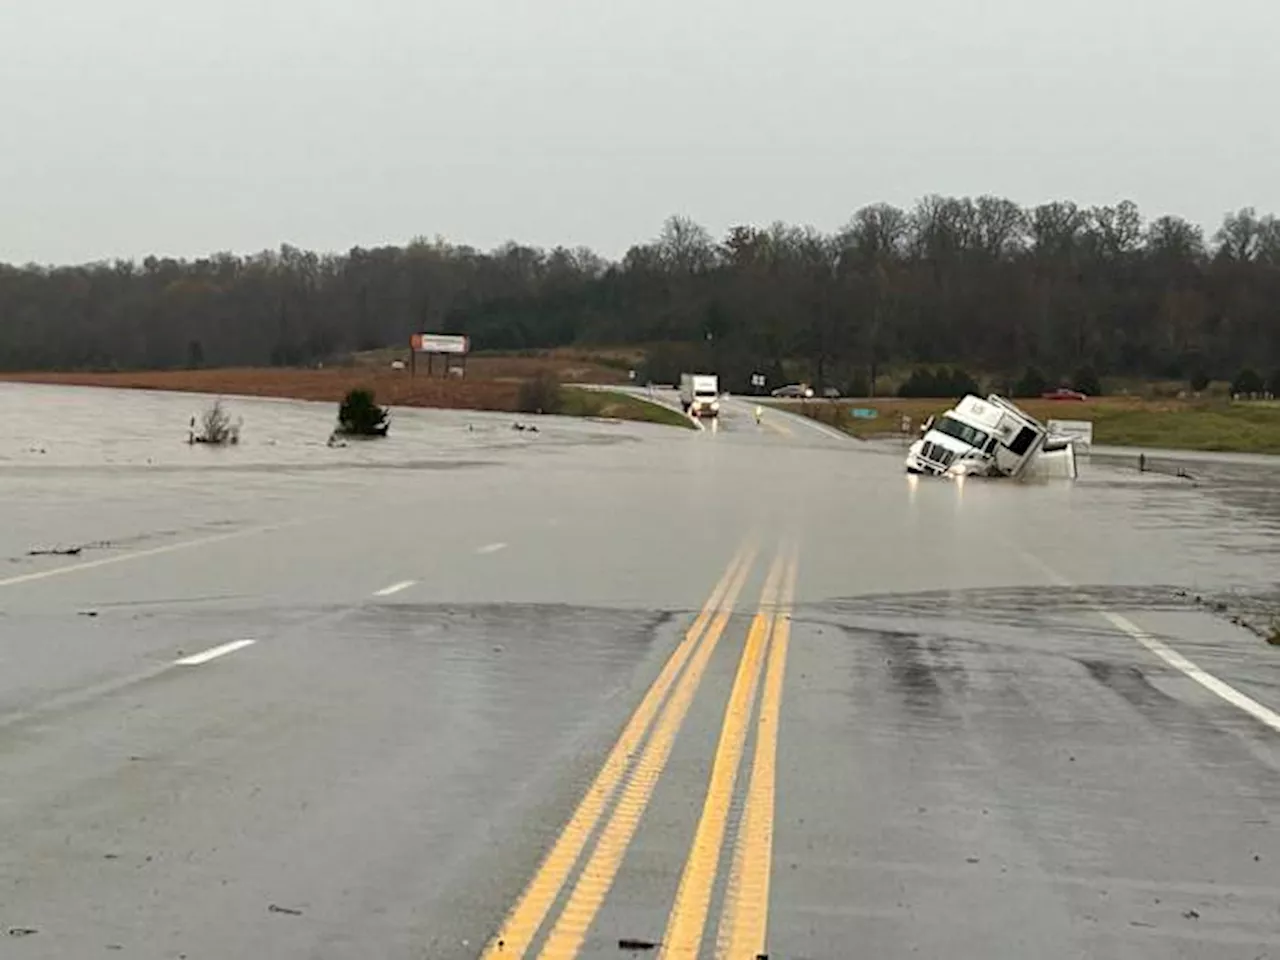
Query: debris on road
[56, 552]
[276, 908]
[1269, 632]
[23, 931]
[627, 943]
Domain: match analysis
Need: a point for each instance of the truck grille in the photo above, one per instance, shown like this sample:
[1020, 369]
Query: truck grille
[937, 453]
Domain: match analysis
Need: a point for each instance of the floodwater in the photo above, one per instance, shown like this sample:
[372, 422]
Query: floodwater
[113, 468]
[47, 426]
[438, 637]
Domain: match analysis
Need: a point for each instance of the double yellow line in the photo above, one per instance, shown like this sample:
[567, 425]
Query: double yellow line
[746, 906]
[658, 718]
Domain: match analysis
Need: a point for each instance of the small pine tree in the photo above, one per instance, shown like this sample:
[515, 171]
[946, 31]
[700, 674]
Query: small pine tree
[360, 416]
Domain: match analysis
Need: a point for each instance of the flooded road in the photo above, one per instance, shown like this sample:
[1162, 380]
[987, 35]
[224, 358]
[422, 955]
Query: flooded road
[478, 691]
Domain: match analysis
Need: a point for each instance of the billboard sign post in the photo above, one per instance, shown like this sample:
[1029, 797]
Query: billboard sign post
[445, 344]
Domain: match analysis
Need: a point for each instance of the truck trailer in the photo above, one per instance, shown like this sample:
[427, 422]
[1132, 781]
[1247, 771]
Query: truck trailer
[700, 394]
[991, 438]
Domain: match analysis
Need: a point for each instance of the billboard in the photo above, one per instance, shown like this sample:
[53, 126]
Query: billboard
[439, 343]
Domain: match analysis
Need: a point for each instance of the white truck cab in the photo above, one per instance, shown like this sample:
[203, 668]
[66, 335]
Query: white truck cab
[700, 394]
[990, 437]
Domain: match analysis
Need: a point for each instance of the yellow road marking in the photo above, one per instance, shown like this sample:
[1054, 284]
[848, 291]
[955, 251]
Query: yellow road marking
[744, 923]
[683, 937]
[598, 875]
[527, 916]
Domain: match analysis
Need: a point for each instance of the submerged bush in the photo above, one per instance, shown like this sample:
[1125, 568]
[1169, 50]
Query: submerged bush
[360, 416]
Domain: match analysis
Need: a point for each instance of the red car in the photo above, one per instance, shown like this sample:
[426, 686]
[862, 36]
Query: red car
[1064, 393]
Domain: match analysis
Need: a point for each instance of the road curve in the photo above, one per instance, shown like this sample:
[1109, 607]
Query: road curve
[609, 690]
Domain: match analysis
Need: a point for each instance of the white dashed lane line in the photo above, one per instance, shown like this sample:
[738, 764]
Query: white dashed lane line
[213, 653]
[394, 588]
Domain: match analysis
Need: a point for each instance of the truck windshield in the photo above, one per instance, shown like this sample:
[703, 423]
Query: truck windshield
[961, 431]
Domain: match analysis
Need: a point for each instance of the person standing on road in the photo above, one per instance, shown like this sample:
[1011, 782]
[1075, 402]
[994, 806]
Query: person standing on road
[759, 414]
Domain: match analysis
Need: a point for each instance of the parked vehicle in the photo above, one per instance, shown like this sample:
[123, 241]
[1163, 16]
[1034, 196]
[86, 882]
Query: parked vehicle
[992, 438]
[700, 394]
[1064, 393]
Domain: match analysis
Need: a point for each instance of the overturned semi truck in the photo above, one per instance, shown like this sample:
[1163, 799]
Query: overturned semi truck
[990, 438]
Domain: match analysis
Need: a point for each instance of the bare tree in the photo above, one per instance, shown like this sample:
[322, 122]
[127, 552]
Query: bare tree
[1240, 236]
[216, 427]
[686, 246]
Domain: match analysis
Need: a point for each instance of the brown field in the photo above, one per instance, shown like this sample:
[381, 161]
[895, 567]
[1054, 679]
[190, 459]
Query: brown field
[491, 383]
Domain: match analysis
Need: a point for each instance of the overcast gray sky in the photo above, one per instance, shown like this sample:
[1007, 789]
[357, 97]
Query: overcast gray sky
[137, 126]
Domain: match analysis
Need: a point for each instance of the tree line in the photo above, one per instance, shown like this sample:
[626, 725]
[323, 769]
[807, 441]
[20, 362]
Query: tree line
[982, 283]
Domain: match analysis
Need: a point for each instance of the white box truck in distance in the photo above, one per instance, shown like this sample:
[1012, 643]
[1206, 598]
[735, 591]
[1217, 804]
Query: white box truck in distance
[700, 394]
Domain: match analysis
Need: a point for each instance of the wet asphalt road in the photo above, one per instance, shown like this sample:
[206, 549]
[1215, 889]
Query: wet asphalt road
[743, 691]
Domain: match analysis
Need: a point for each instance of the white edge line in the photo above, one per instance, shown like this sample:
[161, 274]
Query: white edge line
[492, 548]
[213, 653]
[1264, 715]
[394, 588]
[1173, 658]
[151, 552]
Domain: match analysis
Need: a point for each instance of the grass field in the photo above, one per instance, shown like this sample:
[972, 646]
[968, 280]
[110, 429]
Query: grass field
[621, 406]
[1247, 426]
